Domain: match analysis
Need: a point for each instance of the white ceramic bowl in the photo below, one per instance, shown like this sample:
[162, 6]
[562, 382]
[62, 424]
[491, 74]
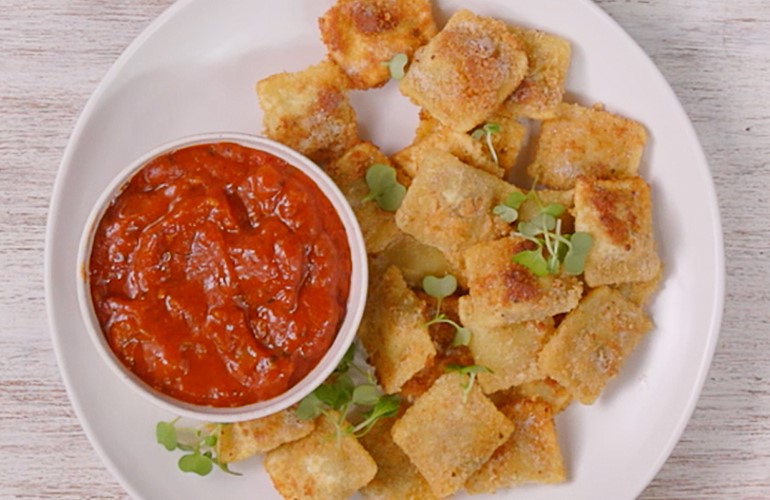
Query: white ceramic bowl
[345, 334]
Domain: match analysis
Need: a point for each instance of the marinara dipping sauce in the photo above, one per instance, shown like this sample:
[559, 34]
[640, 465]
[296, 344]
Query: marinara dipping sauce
[220, 274]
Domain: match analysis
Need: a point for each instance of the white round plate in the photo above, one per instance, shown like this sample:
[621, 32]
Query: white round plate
[194, 71]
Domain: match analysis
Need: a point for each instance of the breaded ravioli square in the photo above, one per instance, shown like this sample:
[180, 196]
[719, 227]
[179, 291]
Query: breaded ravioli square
[309, 111]
[592, 342]
[397, 478]
[415, 259]
[448, 436]
[531, 455]
[449, 206]
[431, 135]
[589, 142]
[362, 35]
[241, 440]
[640, 292]
[322, 465]
[547, 390]
[394, 332]
[466, 71]
[618, 215]
[542, 89]
[509, 351]
[349, 173]
[502, 292]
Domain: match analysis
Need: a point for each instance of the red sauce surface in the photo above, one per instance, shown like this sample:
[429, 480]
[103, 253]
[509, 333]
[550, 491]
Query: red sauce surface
[220, 274]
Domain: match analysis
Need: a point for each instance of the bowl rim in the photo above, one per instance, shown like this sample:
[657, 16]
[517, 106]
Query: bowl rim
[346, 333]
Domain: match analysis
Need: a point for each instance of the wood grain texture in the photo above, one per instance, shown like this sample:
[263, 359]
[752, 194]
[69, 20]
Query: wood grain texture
[715, 54]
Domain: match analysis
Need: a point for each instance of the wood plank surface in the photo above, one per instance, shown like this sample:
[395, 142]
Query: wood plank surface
[716, 56]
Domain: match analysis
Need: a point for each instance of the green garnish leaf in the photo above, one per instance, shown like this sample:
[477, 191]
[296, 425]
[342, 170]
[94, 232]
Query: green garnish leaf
[346, 360]
[310, 407]
[529, 229]
[165, 434]
[396, 66]
[439, 288]
[553, 209]
[574, 260]
[366, 395]
[544, 221]
[380, 174]
[471, 371]
[225, 468]
[532, 260]
[337, 394]
[485, 132]
[391, 197]
[506, 213]
[196, 463]
[467, 370]
[515, 199]
[210, 440]
[462, 337]
[384, 187]
[341, 394]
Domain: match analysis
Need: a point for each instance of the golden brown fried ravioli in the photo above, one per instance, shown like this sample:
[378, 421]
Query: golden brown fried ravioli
[618, 214]
[448, 436]
[592, 343]
[363, 35]
[309, 111]
[542, 89]
[466, 71]
[322, 465]
[586, 142]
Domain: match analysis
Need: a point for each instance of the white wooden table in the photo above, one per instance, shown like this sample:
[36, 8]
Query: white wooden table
[715, 54]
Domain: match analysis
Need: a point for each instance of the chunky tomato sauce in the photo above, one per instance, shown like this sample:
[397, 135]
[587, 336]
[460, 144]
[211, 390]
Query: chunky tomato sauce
[220, 275]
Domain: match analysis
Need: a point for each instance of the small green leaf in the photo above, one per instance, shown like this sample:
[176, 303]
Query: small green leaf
[506, 213]
[387, 406]
[210, 440]
[196, 463]
[165, 434]
[310, 407]
[574, 261]
[467, 370]
[380, 176]
[492, 128]
[344, 390]
[477, 134]
[462, 337]
[346, 360]
[384, 187]
[439, 288]
[226, 468]
[529, 229]
[515, 199]
[396, 66]
[553, 209]
[366, 395]
[544, 221]
[391, 197]
[532, 260]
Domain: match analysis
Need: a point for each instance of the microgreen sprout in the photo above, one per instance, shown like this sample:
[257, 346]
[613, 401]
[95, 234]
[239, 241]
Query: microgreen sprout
[339, 398]
[384, 188]
[440, 288]
[471, 372]
[396, 65]
[554, 251]
[198, 442]
[485, 132]
[508, 210]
